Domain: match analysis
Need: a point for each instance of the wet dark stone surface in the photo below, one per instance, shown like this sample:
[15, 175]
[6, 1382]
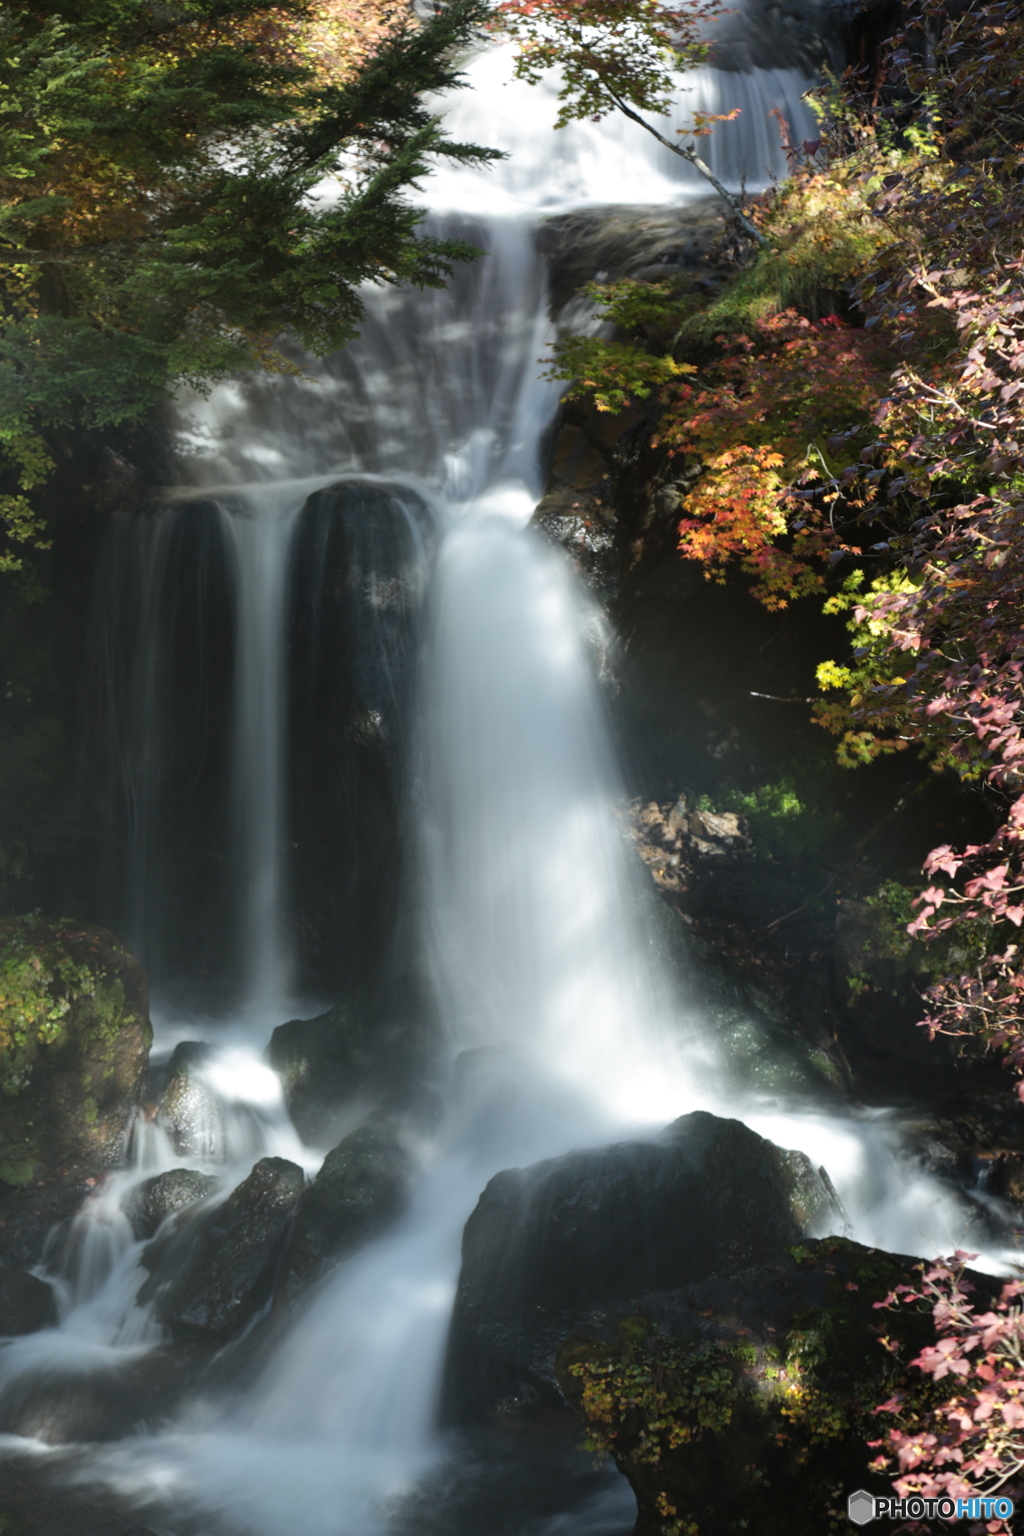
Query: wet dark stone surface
[63, 1406]
[361, 1187]
[324, 1063]
[26, 1303]
[150, 1203]
[211, 1277]
[188, 1110]
[548, 1244]
[27, 1509]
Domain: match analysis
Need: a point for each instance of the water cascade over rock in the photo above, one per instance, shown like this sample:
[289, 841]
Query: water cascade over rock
[356, 755]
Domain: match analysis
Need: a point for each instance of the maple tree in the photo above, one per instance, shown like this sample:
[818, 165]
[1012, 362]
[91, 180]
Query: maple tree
[621, 56]
[179, 185]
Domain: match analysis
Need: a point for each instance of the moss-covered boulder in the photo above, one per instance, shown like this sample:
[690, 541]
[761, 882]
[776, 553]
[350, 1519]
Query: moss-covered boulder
[74, 1042]
[744, 1403]
[361, 1187]
[601, 1228]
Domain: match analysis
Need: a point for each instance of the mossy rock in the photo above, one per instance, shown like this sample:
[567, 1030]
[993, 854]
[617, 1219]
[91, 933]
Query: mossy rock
[74, 1042]
[744, 1403]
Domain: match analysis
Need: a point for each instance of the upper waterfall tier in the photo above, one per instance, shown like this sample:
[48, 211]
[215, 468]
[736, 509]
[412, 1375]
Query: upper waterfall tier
[548, 171]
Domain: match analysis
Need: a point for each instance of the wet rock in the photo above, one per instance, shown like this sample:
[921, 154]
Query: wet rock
[576, 510]
[29, 1509]
[212, 1275]
[617, 241]
[60, 1405]
[26, 1303]
[149, 1204]
[1011, 1179]
[187, 1109]
[324, 1064]
[546, 1245]
[71, 1074]
[361, 1187]
[789, 1359]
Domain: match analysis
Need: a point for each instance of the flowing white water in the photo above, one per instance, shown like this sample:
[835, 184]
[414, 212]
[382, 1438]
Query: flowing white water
[260, 530]
[547, 980]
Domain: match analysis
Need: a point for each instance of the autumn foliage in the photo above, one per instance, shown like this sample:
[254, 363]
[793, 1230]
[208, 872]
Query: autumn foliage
[969, 1439]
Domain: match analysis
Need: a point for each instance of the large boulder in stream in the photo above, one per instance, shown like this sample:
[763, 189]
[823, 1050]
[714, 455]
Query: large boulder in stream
[74, 1041]
[211, 1275]
[547, 1246]
[361, 1187]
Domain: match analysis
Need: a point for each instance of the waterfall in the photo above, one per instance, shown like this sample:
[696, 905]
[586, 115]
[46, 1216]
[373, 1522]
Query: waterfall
[376, 505]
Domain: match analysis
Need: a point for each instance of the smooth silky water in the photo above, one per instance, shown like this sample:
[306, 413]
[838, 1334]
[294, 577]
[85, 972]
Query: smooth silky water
[554, 1002]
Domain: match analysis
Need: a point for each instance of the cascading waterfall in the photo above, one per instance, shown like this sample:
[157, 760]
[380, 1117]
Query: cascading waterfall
[550, 990]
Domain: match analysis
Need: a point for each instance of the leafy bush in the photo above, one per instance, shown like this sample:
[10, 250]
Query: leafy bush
[970, 1442]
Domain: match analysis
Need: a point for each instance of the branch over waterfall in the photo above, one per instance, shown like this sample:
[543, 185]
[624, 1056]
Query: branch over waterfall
[623, 56]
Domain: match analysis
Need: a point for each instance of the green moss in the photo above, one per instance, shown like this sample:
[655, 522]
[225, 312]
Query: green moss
[788, 819]
[16, 1173]
[42, 980]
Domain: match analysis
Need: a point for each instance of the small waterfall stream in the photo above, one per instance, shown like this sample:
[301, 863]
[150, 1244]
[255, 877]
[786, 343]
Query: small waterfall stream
[542, 971]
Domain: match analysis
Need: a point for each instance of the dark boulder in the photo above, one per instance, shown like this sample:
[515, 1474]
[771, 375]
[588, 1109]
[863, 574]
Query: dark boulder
[148, 1205]
[26, 1303]
[72, 1071]
[211, 1276]
[60, 1405]
[361, 1187]
[187, 1109]
[27, 1508]
[324, 1064]
[549, 1244]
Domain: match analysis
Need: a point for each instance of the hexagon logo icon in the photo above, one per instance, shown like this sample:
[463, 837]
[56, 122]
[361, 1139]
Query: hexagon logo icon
[860, 1507]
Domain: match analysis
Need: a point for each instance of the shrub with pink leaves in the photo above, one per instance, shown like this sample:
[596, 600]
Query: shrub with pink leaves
[966, 1439]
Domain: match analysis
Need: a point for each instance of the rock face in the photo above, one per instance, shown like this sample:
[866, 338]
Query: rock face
[549, 1244]
[59, 1405]
[150, 1203]
[188, 1109]
[26, 1304]
[744, 1402]
[361, 1187]
[322, 1063]
[211, 1276]
[27, 1509]
[74, 1040]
